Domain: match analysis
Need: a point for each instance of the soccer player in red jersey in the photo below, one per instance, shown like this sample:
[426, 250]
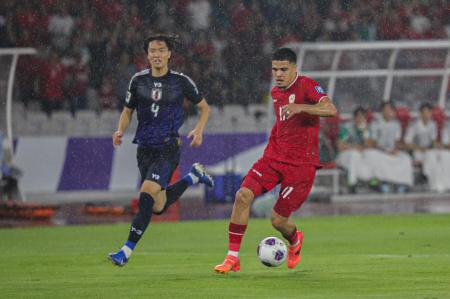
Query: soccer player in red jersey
[291, 158]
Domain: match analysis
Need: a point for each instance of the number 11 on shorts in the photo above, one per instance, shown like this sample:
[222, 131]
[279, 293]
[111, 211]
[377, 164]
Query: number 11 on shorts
[286, 191]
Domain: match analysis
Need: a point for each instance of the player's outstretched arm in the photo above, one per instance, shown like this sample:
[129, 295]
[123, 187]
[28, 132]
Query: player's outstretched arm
[197, 133]
[124, 121]
[323, 108]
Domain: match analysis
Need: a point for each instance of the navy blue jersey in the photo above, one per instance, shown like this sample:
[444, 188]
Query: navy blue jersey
[159, 105]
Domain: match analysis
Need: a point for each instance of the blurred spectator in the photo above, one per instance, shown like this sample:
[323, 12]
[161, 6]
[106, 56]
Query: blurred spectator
[436, 164]
[134, 19]
[6, 34]
[390, 165]
[327, 152]
[203, 49]
[199, 12]
[75, 84]
[366, 27]
[422, 134]
[97, 53]
[106, 94]
[239, 14]
[419, 23]
[28, 23]
[53, 75]
[219, 41]
[125, 70]
[109, 10]
[29, 67]
[386, 131]
[445, 138]
[60, 26]
[354, 139]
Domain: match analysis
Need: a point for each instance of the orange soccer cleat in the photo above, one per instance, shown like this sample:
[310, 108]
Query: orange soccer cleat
[295, 252]
[231, 263]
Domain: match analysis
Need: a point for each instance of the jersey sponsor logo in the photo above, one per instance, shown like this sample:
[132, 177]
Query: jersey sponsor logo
[286, 191]
[257, 172]
[319, 89]
[157, 84]
[128, 97]
[291, 98]
[155, 176]
[156, 94]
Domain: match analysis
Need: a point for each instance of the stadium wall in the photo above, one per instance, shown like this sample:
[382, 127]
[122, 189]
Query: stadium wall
[71, 164]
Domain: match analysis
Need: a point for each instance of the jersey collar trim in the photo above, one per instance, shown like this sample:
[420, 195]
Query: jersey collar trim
[290, 85]
[322, 98]
[160, 77]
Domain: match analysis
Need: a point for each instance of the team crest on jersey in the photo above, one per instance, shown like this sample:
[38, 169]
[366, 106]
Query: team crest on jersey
[291, 98]
[319, 89]
[156, 94]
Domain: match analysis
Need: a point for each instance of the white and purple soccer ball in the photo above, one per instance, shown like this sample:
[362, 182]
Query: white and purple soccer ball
[272, 252]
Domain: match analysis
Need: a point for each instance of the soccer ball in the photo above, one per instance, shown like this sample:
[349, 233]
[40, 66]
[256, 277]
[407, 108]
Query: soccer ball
[272, 252]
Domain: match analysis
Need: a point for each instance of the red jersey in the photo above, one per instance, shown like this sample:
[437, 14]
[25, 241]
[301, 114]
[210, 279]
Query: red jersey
[295, 140]
[53, 76]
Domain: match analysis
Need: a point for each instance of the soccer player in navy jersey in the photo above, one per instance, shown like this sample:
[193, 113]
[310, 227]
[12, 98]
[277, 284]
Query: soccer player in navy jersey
[157, 95]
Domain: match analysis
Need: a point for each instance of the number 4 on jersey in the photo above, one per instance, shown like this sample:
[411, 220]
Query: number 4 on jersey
[155, 109]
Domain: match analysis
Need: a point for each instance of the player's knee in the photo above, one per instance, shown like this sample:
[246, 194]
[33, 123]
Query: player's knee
[153, 193]
[244, 197]
[160, 212]
[151, 188]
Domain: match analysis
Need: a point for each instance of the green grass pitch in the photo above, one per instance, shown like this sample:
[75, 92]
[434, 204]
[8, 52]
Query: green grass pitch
[389, 256]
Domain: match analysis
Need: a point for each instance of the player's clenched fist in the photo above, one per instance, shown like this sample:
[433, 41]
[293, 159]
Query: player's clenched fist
[117, 138]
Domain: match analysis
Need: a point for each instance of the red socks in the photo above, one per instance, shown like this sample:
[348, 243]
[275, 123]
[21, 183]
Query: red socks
[235, 234]
[237, 231]
[293, 238]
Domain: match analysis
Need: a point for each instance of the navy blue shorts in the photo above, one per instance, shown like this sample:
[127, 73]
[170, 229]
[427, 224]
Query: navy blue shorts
[158, 164]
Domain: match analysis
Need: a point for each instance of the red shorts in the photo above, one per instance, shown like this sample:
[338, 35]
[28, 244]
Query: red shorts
[296, 182]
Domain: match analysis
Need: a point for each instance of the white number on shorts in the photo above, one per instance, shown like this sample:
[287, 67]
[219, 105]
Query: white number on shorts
[286, 191]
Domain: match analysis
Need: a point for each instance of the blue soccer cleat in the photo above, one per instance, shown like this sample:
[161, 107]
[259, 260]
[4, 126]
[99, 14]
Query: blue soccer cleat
[118, 258]
[199, 171]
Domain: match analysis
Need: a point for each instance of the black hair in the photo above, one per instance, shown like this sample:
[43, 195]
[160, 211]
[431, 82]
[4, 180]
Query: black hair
[426, 105]
[359, 109]
[285, 54]
[171, 40]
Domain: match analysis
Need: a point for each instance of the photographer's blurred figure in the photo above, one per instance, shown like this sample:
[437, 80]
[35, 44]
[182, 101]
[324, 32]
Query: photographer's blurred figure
[353, 139]
[9, 174]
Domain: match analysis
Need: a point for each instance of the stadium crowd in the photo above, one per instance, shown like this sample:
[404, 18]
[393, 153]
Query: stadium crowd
[88, 49]
[393, 151]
